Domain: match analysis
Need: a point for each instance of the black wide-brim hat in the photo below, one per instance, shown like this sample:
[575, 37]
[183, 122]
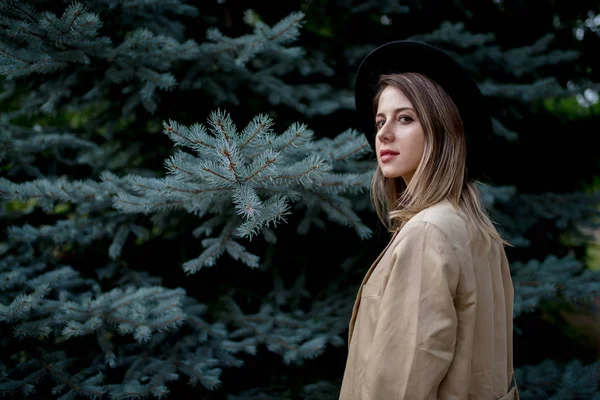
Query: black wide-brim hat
[411, 56]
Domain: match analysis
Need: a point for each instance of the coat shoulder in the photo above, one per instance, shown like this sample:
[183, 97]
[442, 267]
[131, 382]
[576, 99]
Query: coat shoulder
[450, 221]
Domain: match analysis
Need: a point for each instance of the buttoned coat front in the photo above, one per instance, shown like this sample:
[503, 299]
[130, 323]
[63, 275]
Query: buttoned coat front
[433, 318]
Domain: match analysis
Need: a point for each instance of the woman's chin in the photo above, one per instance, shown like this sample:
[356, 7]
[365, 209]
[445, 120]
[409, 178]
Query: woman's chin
[391, 173]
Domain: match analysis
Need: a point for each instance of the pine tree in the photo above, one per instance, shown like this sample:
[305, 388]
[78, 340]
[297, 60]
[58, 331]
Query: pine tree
[174, 248]
[236, 184]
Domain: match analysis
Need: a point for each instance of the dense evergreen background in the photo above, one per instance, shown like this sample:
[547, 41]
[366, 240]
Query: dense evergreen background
[107, 291]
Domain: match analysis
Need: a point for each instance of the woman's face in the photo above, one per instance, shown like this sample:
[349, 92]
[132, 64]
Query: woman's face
[400, 140]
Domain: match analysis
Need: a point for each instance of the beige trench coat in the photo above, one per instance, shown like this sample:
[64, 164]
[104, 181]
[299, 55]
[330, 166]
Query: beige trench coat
[433, 318]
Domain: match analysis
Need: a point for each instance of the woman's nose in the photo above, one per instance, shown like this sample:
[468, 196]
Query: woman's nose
[384, 134]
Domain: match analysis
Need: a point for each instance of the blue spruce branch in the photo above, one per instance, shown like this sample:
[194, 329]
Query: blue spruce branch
[552, 278]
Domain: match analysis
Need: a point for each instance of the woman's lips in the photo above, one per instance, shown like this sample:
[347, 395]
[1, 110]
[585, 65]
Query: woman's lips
[388, 156]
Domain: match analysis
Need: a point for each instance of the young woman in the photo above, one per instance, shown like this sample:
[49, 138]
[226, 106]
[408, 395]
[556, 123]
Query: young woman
[433, 316]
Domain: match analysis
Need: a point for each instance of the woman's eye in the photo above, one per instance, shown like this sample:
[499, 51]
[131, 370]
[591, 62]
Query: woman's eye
[402, 118]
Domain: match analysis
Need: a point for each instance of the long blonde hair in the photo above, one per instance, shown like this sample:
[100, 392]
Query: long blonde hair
[441, 174]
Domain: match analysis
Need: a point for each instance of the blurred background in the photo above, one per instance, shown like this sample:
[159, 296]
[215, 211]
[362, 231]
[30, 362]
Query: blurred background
[108, 288]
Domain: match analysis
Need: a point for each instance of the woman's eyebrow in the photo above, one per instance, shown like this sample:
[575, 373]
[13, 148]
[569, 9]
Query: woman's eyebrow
[396, 111]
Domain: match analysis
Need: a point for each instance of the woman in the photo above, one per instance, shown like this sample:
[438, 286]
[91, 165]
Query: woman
[433, 316]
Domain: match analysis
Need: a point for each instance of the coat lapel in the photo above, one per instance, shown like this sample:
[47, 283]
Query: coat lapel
[368, 274]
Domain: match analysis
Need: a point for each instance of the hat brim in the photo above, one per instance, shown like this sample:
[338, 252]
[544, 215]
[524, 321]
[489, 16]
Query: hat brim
[411, 56]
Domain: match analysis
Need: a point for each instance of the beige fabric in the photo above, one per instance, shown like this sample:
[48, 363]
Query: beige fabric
[433, 318]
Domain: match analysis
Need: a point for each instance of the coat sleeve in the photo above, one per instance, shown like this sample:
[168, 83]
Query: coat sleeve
[415, 335]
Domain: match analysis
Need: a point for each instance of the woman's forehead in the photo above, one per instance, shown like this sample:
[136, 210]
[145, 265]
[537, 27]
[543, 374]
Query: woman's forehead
[392, 98]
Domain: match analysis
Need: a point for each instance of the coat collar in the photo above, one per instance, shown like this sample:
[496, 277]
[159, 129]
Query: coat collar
[443, 203]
